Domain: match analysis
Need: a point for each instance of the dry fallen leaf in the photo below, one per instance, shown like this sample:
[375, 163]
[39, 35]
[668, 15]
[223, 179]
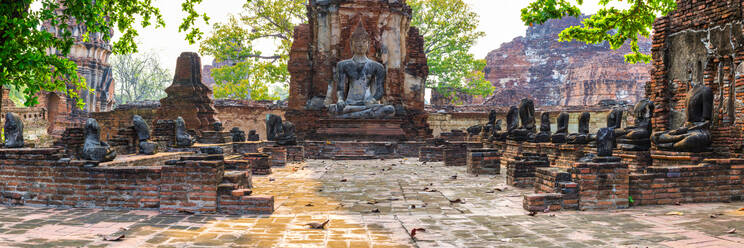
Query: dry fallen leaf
[732, 231]
[675, 213]
[413, 231]
[316, 225]
[116, 236]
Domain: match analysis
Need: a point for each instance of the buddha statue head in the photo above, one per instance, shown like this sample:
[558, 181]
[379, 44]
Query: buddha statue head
[360, 40]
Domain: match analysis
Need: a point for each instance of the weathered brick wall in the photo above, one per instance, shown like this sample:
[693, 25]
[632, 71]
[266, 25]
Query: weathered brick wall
[37, 177]
[190, 186]
[680, 52]
[245, 114]
[715, 181]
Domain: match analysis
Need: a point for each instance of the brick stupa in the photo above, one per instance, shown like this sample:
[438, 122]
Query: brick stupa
[188, 97]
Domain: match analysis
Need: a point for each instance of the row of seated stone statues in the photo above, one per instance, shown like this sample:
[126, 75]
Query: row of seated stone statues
[694, 136]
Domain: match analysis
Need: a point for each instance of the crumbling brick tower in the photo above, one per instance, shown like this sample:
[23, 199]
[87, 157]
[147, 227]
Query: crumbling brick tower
[324, 41]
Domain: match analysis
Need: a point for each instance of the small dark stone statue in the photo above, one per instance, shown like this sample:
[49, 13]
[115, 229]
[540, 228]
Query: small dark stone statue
[183, 139]
[143, 135]
[237, 134]
[582, 137]
[638, 136]
[526, 132]
[544, 134]
[217, 127]
[615, 118]
[695, 135]
[560, 134]
[496, 133]
[605, 141]
[94, 149]
[487, 131]
[282, 133]
[13, 131]
[253, 136]
[512, 123]
[475, 130]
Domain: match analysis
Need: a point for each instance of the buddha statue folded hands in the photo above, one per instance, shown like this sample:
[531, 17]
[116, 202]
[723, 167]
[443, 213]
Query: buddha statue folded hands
[359, 83]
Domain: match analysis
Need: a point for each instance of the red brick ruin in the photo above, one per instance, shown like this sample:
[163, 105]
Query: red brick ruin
[699, 42]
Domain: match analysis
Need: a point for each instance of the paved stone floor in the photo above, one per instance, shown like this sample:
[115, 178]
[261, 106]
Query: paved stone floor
[376, 204]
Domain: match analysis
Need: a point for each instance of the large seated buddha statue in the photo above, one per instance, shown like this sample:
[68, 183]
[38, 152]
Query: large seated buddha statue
[359, 83]
[695, 135]
[638, 136]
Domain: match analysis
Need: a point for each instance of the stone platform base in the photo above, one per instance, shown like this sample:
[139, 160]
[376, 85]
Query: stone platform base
[277, 155]
[484, 161]
[431, 154]
[637, 161]
[351, 150]
[520, 171]
[190, 183]
[713, 180]
[603, 183]
[667, 158]
[456, 153]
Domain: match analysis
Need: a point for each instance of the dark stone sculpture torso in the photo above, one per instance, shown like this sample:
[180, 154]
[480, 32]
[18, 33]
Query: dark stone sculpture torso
[237, 135]
[526, 132]
[605, 142]
[13, 131]
[281, 132]
[544, 134]
[183, 138]
[94, 149]
[695, 135]
[253, 136]
[582, 137]
[475, 130]
[360, 83]
[143, 134]
[615, 118]
[562, 131]
[638, 136]
[488, 129]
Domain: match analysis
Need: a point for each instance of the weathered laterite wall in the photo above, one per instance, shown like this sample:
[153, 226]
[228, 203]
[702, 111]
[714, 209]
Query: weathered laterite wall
[702, 40]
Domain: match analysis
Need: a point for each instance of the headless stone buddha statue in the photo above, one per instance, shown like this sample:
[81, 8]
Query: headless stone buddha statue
[615, 118]
[638, 136]
[237, 134]
[605, 141]
[496, 133]
[582, 137]
[143, 135]
[253, 136]
[560, 134]
[544, 134]
[13, 131]
[512, 123]
[359, 83]
[281, 132]
[183, 138]
[488, 128]
[94, 149]
[525, 132]
[695, 135]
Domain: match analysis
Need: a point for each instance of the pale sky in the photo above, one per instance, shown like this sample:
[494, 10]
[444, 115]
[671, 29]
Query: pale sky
[499, 19]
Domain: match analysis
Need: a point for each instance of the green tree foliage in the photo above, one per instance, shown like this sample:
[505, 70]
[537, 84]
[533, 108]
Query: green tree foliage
[139, 77]
[248, 72]
[616, 26]
[24, 59]
[449, 30]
